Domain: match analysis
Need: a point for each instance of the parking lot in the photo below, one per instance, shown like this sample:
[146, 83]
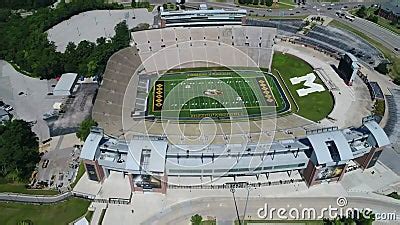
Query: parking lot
[94, 24]
[32, 103]
[59, 162]
[77, 108]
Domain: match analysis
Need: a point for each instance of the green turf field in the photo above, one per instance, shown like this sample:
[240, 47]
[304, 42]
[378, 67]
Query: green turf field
[315, 106]
[217, 94]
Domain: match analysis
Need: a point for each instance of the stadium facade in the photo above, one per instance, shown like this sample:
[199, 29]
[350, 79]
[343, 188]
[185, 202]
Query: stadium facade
[203, 17]
[321, 156]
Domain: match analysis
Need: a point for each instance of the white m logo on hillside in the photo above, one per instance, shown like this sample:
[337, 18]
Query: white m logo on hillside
[309, 82]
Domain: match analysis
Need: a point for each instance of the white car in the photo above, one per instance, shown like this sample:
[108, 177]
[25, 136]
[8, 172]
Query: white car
[8, 108]
[323, 5]
[290, 9]
[332, 4]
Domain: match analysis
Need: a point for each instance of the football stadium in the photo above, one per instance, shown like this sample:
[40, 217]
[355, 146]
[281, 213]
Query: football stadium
[205, 106]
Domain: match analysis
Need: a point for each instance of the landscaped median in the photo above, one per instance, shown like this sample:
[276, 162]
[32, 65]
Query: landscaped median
[20, 188]
[267, 4]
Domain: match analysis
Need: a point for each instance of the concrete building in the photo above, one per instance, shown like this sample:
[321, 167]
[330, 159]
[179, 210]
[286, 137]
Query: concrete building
[390, 10]
[65, 85]
[321, 156]
[203, 17]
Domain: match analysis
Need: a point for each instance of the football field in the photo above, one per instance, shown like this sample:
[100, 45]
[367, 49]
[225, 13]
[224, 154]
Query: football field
[216, 94]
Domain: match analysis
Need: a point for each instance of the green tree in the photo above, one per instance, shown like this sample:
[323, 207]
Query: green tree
[122, 37]
[373, 18]
[19, 150]
[362, 12]
[256, 2]
[25, 4]
[25, 43]
[269, 3]
[196, 219]
[84, 128]
[5, 15]
[382, 68]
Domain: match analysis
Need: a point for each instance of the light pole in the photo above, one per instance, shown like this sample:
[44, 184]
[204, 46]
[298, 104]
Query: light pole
[245, 206]
[234, 200]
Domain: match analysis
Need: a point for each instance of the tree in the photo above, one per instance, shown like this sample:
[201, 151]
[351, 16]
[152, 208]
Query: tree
[84, 128]
[256, 2]
[5, 15]
[262, 2]
[269, 3]
[19, 150]
[122, 37]
[25, 4]
[382, 68]
[196, 219]
[372, 18]
[362, 12]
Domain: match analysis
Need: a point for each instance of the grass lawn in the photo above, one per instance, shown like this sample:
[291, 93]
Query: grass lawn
[103, 213]
[57, 214]
[89, 216]
[386, 24]
[81, 171]
[314, 106]
[20, 188]
[391, 56]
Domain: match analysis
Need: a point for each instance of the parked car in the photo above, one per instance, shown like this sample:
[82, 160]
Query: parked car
[8, 108]
[45, 163]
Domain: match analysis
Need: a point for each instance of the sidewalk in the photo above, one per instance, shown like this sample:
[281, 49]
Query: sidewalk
[98, 208]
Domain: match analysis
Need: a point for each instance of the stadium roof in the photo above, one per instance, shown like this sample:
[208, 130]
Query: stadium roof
[321, 141]
[378, 133]
[202, 12]
[221, 165]
[91, 144]
[156, 161]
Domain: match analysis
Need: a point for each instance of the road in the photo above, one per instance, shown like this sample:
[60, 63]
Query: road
[384, 36]
[223, 208]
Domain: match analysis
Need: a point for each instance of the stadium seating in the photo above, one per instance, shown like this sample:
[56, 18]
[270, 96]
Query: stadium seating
[168, 48]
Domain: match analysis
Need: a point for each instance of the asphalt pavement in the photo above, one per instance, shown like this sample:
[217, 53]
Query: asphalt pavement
[388, 38]
[223, 208]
